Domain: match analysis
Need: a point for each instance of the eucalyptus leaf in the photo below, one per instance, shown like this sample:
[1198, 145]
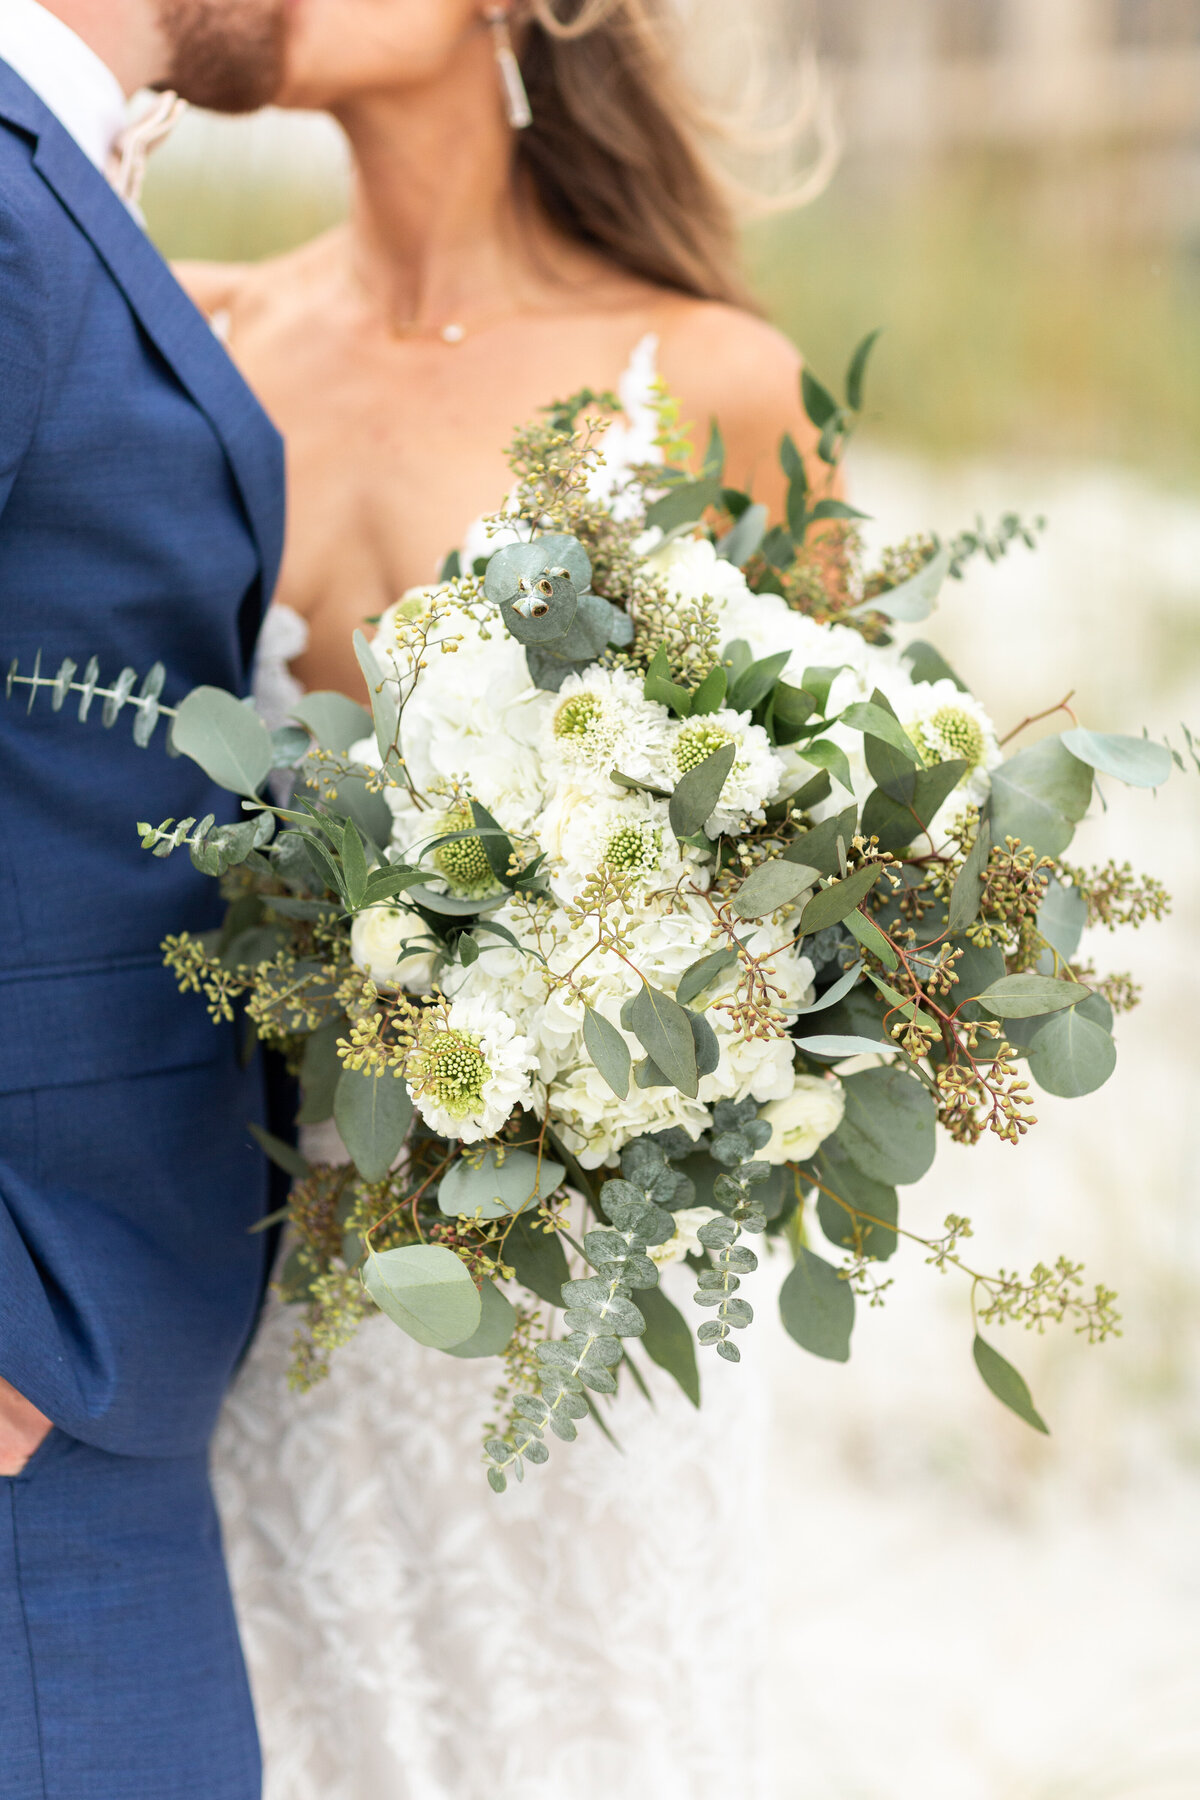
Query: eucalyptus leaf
[668, 1341]
[336, 721]
[608, 1050]
[755, 683]
[385, 710]
[539, 1260]
[819, 847]
[1072, 1055]
[871, 1229]
[833, 903]
[663, 1029]
[1028, 996]
[497, 1322]
[1007, 1385]
[889, 1126]
[1039, 795]
[896, 825]
[697, 793]
[320, 1072]
[837, 1046]
[1136, 761]
[914, 599]
[702, 974]
[928, 664]
[228, 740]
[740, 544]
[1062, 917]
[856, 373]
[496, 1189]
[709, 696]
[285, 1156]
[825, 754]
[875, 721]
[966, 897]
[685, 504]
[817, 1307]
[770, 886]
[373, 1114]
[427, 1290]
[832, 995]
[870, 938]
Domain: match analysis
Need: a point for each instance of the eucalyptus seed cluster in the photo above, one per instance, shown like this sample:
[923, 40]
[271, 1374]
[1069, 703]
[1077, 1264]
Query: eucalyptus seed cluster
[974, 1097]
[1115, 895]
[1049, 1296]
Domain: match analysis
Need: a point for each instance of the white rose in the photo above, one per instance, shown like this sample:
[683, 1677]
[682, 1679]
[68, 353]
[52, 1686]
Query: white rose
[686, 1241]
[801, 1123]
[377, 939]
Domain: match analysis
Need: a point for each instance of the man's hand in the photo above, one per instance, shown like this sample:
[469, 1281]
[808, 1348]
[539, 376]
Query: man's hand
[22, 1429]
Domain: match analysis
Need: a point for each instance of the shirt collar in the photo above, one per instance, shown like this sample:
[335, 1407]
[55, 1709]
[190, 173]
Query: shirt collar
[82, 92]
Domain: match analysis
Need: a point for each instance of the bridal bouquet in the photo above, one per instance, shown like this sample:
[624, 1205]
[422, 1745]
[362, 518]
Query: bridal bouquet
[662, 903]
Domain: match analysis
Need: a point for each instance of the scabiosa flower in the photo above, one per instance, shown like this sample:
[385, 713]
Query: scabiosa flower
[603, 721]
[754, 778]
[630, 836]
[468, 1069]
[463, 864]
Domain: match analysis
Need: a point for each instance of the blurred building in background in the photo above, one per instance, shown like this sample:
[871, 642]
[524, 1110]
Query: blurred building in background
[938, 73]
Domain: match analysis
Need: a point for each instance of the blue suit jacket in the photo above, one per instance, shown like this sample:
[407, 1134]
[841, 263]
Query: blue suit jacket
[141, 519]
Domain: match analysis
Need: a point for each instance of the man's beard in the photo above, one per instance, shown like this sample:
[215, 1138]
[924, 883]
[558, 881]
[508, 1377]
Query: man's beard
[227, 55]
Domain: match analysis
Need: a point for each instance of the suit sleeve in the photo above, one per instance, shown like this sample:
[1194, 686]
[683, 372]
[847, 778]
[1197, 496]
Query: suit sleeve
[23, 342]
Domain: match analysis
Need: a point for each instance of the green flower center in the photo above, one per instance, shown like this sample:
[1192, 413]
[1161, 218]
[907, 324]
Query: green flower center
[451, 1068]
[952, 733]
[576, 716]
[634, 849]
[697, 742]
[464, 863]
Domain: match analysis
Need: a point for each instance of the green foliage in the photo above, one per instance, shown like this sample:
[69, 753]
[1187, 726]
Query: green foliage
[1007, 1385]
[427, 1291]
[498, 1188]
[1039, 796]
[373, 1114]
[148, 708]
[599, 1312]
[817, 1307]
[888, 1128]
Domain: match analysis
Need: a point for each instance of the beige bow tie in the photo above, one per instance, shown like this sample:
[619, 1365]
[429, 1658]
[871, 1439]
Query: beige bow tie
[131, 152]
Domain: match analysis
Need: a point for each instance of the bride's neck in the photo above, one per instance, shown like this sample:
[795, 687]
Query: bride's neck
[436, 229]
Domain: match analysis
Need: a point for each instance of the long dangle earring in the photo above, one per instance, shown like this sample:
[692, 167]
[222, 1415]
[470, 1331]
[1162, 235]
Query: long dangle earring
[516, 98]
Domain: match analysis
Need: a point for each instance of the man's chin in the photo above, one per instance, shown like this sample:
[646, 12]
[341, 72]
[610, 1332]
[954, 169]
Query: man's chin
[229, 56]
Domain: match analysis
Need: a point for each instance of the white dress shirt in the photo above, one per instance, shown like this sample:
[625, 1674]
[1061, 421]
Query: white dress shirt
[80, 90]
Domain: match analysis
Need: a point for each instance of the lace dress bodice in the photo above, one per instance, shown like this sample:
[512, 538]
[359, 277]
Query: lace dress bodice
[412, 1636]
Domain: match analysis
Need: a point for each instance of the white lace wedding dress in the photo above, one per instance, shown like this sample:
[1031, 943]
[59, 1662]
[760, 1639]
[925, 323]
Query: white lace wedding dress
[596, 1634]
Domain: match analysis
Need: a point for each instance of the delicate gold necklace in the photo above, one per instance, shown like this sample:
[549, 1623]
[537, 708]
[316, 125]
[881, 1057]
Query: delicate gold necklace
[453, 331]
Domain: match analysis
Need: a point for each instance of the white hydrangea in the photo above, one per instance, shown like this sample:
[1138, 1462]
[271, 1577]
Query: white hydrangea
[599, 721]
[472, 717]
[377, 947]
[946, 724]
[595, 1124]
[801, 1120]
[468, 1072]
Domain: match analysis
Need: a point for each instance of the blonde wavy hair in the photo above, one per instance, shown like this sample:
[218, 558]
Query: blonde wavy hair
[622, 153]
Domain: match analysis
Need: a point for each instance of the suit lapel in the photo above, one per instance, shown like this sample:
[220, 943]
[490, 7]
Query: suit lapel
[177, 329]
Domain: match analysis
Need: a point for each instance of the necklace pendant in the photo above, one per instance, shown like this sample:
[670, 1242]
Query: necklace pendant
[453, 333]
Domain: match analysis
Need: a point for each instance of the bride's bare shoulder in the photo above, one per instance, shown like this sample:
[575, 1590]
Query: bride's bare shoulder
[248, 292]
[726, 364]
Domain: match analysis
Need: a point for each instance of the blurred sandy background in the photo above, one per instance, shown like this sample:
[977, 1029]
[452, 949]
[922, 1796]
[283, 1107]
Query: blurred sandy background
[965, 1611]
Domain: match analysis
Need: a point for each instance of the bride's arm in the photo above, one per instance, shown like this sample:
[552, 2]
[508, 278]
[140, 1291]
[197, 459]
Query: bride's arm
[728, 365]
